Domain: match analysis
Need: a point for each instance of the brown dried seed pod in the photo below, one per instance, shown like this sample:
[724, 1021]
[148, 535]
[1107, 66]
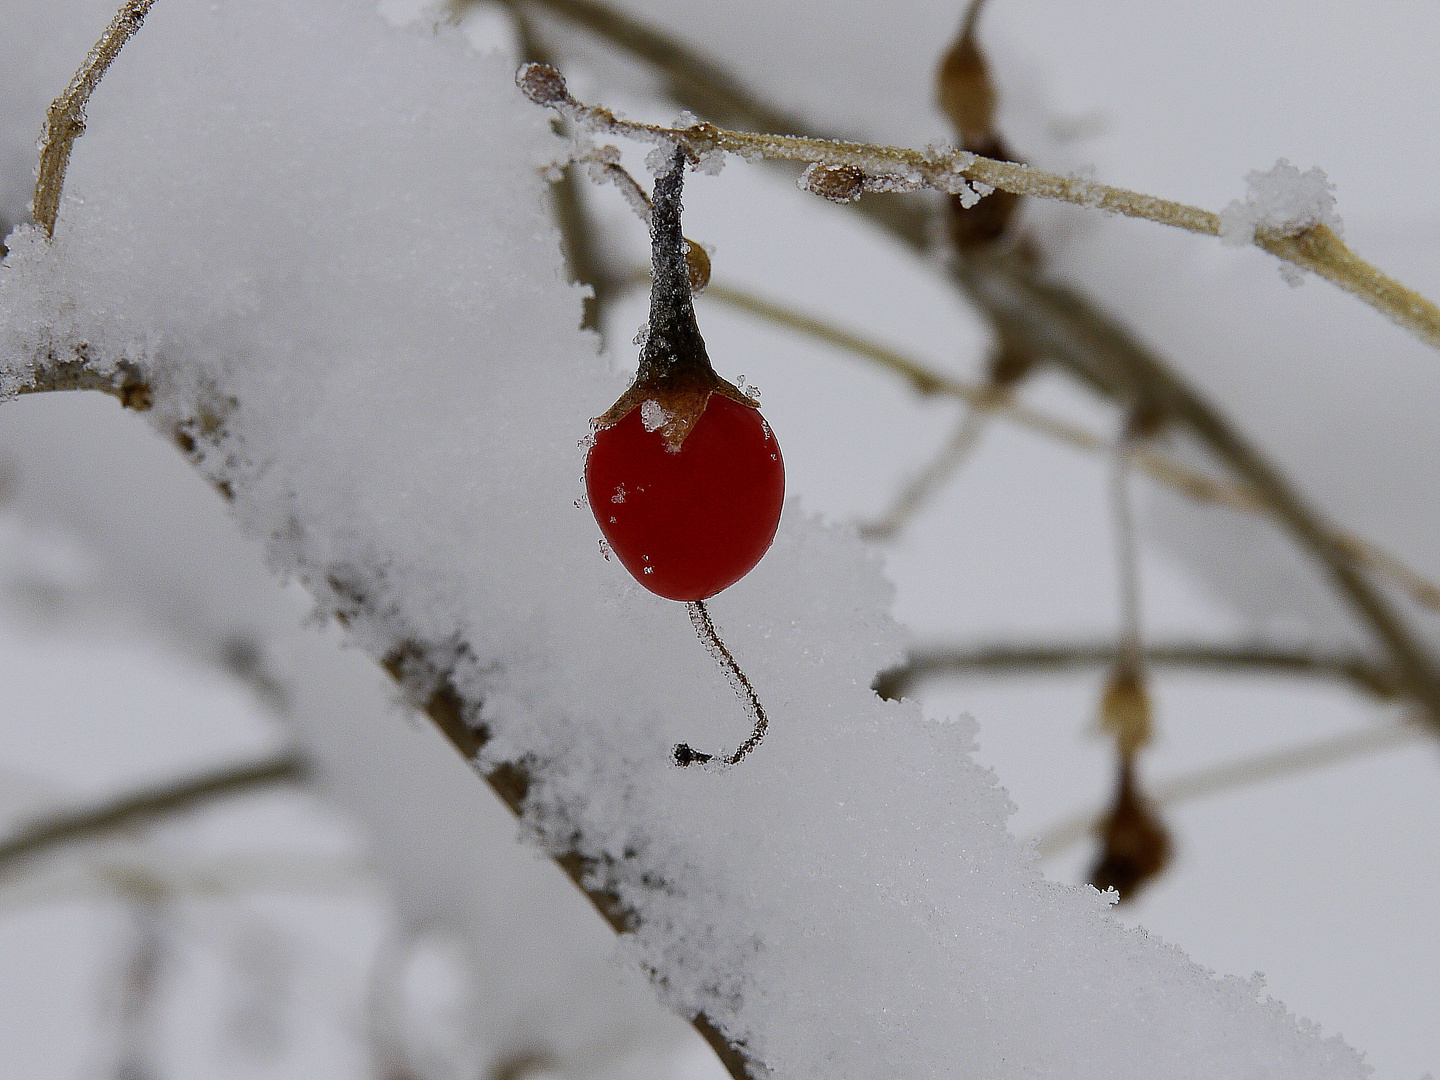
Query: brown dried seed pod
[1125, 710]
[987, 220]
[1135, 845]
[963, 89]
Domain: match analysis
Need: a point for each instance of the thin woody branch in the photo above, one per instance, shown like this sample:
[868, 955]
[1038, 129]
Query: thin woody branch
[1042, 319]
[457, 719]
[982, 398]
[123, 381]
[150, 805]
[887, 168]
[694, 81]
[1237, 774]
[939, 662]
[1053, 321]
[65, 121]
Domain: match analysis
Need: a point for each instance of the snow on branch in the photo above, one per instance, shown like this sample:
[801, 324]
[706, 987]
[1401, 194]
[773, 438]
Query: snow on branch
[342, 288]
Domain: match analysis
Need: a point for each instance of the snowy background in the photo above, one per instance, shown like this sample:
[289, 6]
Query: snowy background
[144, 638]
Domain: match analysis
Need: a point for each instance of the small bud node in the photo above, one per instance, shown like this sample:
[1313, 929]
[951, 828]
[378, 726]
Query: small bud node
[542, 84]
[1125, 710]
[697, 265]
[838, 183]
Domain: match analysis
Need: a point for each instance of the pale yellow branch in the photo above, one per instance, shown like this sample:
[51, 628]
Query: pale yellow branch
[1319, 250]
[887, 168]
[65, 121]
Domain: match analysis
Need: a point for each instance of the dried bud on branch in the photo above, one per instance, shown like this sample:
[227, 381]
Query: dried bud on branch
[963, 88]
[838, 183]
[1135, 845]
[1125, 711]
[542, 84]
[697, 265]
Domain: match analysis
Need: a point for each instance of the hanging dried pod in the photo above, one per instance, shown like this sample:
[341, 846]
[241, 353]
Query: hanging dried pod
[1134, 842]
[966, 94]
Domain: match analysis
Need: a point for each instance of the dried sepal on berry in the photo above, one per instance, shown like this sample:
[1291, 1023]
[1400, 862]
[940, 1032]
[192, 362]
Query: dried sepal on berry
[675, 378]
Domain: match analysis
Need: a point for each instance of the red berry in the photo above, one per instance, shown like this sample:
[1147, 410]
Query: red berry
[689, 522]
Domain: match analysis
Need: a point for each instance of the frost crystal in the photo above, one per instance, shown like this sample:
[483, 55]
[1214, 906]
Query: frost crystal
[653, 415]
[1284, 202]
[660, 158]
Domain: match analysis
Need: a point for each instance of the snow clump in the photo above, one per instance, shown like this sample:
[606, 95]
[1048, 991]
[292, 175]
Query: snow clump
[1283, 201]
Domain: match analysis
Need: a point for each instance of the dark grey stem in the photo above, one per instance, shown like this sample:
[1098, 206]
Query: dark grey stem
[672, 339]
[1127, 553]
[685, 754]
[146, 806]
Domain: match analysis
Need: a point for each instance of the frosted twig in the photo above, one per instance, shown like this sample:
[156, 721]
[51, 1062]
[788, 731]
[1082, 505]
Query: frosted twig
[161, 801]
[888, 168]
[705, 629]
[1237, 774]
[124, 381]
[577, 233]
[1050, 320]
[65, 120]
[696, 82]
[936, 662]
[604, 164]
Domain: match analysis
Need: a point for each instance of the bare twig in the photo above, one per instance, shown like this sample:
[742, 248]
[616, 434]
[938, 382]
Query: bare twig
[937, 662]
[141, 975]
[695, 82]
[459, 720]
[1039, 318]
[1127, 553]
[124, 381]
[1187, 481]
[145, 806]
[921, 488]
[888, 168]
[1237, 774]
[65, 121]
[1053, 321]
[577, 229]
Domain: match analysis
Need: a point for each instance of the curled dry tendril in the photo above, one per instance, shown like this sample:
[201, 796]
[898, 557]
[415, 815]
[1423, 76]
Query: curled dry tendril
[685, 754]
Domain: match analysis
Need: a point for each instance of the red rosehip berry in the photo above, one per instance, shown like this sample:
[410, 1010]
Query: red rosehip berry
[684, 476]
[687, 523]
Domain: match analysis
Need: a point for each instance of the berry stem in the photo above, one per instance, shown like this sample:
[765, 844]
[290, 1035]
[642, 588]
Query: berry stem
[685, 754]
[672, 341]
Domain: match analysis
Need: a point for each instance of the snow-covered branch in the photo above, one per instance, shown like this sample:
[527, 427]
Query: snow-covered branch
[345, 297]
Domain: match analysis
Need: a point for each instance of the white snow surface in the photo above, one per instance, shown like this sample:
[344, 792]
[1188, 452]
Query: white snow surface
[331, 238]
